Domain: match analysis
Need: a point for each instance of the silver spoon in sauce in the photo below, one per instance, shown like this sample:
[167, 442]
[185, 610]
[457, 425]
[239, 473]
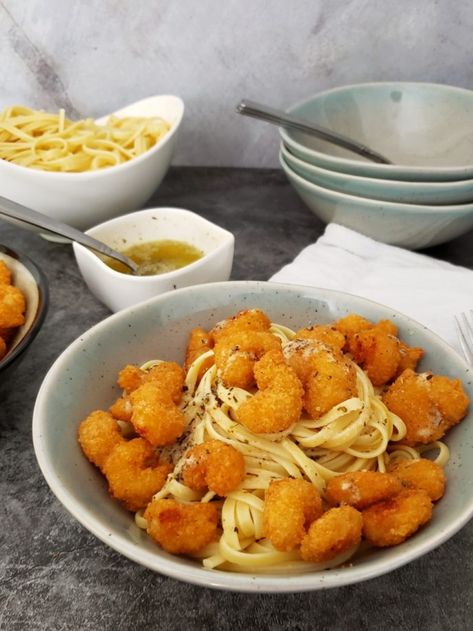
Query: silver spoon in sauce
[12, 210]
[283, 119]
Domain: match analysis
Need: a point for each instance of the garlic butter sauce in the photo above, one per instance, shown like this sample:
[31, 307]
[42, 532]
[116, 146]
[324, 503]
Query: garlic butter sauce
[157, 257]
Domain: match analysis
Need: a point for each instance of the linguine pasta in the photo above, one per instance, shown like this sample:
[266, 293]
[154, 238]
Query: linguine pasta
[51, 142]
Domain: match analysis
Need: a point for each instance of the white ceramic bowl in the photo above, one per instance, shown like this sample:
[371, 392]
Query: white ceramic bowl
[117, 290]
[85, 199]
[432, 193]
[83, 379]
[425, 129]
[406, 225]
[28, 277]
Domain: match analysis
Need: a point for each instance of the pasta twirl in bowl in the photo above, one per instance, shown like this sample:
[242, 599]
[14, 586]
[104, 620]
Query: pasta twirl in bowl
[83, 381]
[85, 172]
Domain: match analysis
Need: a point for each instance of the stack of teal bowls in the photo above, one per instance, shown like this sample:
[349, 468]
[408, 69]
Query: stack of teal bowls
[424, 197]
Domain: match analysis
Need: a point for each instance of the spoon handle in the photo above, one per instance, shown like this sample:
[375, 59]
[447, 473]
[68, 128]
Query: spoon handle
[283, 119]
[13, 210]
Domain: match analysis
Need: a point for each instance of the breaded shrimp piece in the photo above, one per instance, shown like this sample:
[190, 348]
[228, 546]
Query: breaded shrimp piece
[134, 474]
[278, 402]
[3, 348]
[334, 382]
[236, 353]
[360, 489]
[290, 506]
[169, 375]
[129, 378]
[199, 343]
[391, 522]
[377, 352]
[121, 409]
[422, 474]
[7, 333]
[327, 376]
[155, 415]
[410, 357]
[12, 306]
[247, 320]
[5, 273]
[213, 465]
[181, 528]
[338, 530]
[387, 326]
[99, 434]
[352, 324]
[428, 404]
[326, 333]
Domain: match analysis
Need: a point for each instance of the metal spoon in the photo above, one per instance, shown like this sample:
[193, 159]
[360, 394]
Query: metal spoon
[13, 210]
[283, 119]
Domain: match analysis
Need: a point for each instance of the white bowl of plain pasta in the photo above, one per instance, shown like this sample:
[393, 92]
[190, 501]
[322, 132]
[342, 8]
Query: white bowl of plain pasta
[84, 172]
[291, 484]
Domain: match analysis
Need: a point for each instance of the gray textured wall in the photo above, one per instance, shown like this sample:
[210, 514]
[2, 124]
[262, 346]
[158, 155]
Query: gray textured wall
[94, 56]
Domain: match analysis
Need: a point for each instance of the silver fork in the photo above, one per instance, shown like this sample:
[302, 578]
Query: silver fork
[464, 326]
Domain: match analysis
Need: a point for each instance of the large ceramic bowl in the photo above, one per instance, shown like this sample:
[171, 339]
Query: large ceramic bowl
[83, 378]
[431, 193]
[425, 129]
[28, 277]
[117, 290]
[412, 226]
[85, 199]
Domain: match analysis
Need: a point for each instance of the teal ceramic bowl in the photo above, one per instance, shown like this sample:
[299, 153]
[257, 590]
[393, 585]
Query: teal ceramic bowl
[425, 129]
[411, 226]
[83, 379]
[432, 193]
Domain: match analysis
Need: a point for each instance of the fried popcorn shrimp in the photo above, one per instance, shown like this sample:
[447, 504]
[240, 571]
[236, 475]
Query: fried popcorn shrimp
[290, 506]
[12, 306]
[129, 378]
[391, 522]
[134, 474]
[338, 530]
[199, 343]
[5, 274]
[360, 489]
[278, 402]
[3, 348]
[213, 465]
[410, 357]
[352, 324]
[428, 404]
[327, 376]
[327, 334]
[99, 434]
[155, 415]
[121, 409]
[377, 352]
[247, 320]
[236, 353]
[422, 474]
[181, 528]
[169, 375]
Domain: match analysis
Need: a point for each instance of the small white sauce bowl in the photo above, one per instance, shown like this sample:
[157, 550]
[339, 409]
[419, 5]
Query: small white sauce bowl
[84, 199]
[117, 290]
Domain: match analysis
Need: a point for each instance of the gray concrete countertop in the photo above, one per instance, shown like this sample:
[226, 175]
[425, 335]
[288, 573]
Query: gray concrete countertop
[54, 575]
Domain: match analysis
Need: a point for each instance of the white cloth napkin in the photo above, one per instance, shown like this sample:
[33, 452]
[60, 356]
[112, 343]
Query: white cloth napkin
[427, 290]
